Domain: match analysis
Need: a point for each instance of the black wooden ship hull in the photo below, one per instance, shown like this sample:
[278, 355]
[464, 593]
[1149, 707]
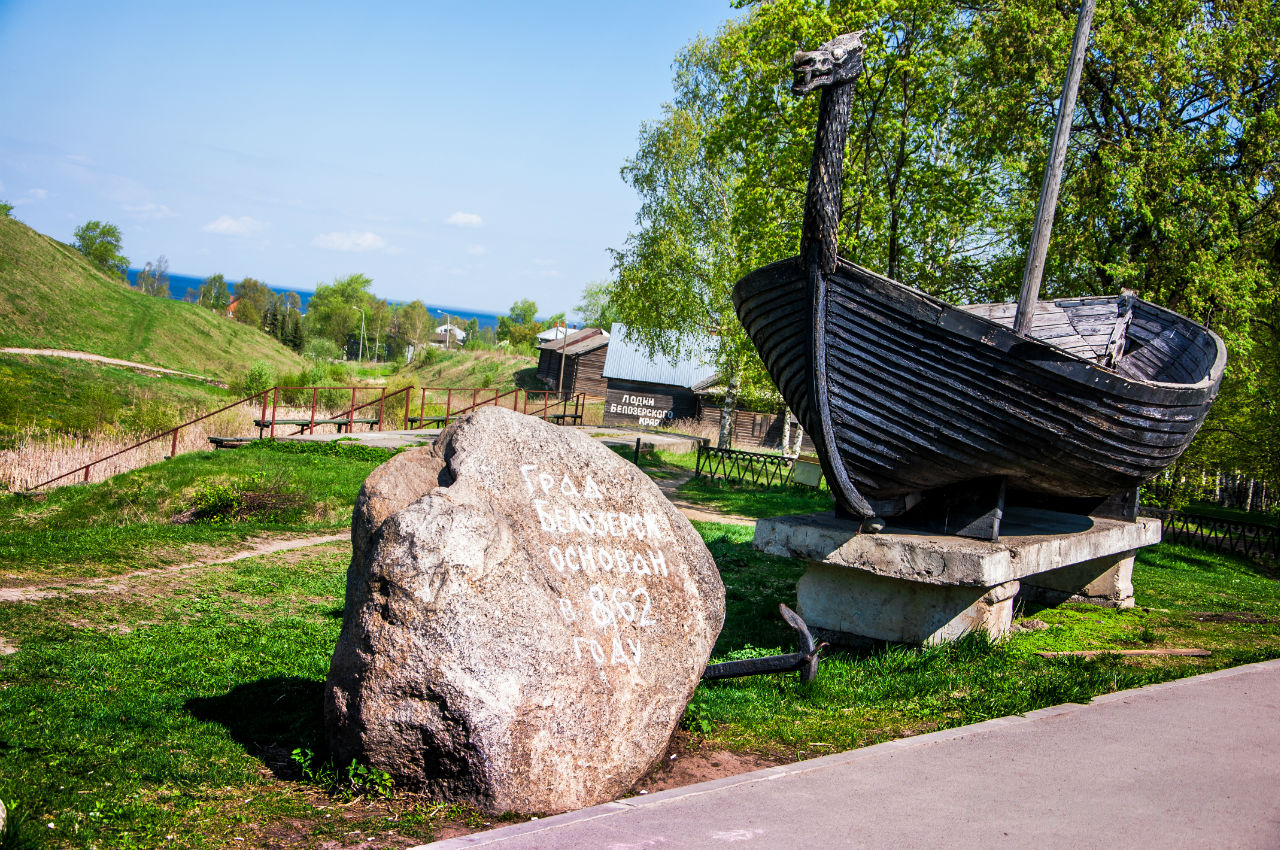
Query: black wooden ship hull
[905, 394]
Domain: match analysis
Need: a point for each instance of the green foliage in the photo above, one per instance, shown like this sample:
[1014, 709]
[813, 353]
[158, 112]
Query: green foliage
[98, 529]
[258, 499]
[355, 780]
[60, 395]
[214, 294]
[596, 309]
[19, 832]
[330, 312]
[154, 278]
[322, 348]
[100, 243]
[519, 328]
[757, 502]
[258, 378]
[327, 448]
[150, 414]
[5, 209]
[252, 300]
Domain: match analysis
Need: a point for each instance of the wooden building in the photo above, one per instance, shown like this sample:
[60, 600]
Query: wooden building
[584, 353]
[751, 430]
[646, 392]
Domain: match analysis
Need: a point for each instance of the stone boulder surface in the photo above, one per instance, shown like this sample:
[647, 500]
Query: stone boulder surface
[526, 619]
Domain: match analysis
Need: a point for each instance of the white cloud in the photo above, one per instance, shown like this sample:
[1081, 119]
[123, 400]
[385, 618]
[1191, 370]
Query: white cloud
[31, 196]
[349, 241]
[464, 219]
[476, 250]
[79, 159]
[228, 226]
[155, 211]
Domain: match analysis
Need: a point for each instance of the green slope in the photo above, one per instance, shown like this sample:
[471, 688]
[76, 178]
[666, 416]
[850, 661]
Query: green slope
[51, 297]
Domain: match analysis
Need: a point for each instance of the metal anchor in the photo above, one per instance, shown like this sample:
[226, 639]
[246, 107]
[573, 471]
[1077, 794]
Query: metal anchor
[805, 661]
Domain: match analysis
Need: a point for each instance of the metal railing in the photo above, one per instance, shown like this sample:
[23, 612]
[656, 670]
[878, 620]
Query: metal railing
[173, 449]
[347, 419]
[565, 409]
[1232, 536]
[743, 467]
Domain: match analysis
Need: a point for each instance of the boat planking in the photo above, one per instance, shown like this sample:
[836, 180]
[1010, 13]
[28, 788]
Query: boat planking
[922, 408]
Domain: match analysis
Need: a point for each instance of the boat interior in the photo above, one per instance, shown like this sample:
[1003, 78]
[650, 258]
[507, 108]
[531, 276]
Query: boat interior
[1136, 339]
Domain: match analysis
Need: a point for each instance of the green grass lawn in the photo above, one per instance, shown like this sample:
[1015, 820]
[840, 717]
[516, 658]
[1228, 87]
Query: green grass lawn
[61, 395]
[1185, 598]
[126, 522]
[166, 708]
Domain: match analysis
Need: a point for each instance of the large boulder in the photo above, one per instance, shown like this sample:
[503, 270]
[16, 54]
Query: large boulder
[526, 618]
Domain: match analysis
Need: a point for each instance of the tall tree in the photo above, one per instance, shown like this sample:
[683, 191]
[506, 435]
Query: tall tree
[154, 278]
[519, 327]
[253, 300]
[334, 311]
[100, 243]
[1170, 180]
[409, 323]
[675, 274]
[214, 294]
[596, 308]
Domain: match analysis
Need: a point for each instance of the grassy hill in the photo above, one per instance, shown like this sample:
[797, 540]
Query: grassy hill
[52, 297]
[484, 368]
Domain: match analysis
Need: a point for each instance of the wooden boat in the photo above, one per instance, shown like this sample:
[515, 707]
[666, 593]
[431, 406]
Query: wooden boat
[907, 397]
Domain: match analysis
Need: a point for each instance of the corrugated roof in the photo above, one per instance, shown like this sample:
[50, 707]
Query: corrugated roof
[578, 341]
[628, 361]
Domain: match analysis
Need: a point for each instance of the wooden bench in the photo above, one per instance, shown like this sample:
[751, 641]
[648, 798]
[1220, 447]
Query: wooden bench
[425, 420]
[230, 442]
[564, 418]
[304, 424]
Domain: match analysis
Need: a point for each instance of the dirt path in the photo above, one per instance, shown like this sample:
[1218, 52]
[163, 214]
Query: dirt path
[668, 486]
[97, 358]
[258, 547]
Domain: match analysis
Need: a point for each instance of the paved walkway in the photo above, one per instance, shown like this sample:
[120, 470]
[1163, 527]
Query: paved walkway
[1191, 763]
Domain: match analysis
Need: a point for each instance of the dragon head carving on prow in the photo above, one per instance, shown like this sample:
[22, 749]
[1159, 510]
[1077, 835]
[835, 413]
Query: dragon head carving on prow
[837, 61]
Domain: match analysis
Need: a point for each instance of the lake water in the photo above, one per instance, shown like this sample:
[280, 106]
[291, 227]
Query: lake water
[186, 288]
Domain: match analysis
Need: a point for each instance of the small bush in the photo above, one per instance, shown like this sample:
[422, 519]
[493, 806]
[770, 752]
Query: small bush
[258, 379]
[258, 499]
[320, 348]
[149, 415]
[355, 780]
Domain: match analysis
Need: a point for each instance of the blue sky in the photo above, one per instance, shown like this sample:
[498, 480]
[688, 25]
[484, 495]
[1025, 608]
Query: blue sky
[461, 153]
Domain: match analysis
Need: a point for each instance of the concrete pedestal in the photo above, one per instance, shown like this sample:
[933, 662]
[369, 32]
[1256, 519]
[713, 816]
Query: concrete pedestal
[912, 587]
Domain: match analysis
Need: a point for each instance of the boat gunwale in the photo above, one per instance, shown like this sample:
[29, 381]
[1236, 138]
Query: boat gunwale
[1188, 393]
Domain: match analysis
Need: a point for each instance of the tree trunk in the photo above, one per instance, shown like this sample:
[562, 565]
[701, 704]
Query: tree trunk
[786, 430]
[726, 414]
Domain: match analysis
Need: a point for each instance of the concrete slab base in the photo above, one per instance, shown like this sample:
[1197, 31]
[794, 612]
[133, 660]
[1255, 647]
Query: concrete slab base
[908, 587]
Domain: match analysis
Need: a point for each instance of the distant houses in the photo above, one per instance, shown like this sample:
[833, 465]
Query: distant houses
[447, 336]
[647, 392]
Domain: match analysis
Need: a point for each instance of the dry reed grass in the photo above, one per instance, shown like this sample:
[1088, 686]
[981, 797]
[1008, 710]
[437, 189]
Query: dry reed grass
[37, 455]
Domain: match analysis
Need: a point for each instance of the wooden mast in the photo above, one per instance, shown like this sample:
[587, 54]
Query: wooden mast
[1030, 293]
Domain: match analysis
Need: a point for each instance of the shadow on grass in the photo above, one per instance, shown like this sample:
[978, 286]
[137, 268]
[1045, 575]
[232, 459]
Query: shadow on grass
[527, 379]
[270, 718]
